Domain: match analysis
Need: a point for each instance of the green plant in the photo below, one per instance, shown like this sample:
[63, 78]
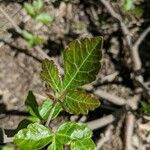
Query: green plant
[32, 39]
[145, 107]
[7, 148]
[129, 6]
[35, 11]
[82, 62]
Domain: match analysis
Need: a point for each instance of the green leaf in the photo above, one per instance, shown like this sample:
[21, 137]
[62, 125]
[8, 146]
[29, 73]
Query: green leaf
[32, 105]
[8, 148]
[37, 40]
[128, 5]
[138, 11]
[33, 119]
[86, 144]
[82, 62]
[57, 108]
[50, 74]
[38, 5]
[34, 137]
[27, 35]
[79, 102]
[145, 107]
[70, 131]
[48, 109]
[44, 18]
[32, 39]
[23, 124]
[29, 9]
[56, 145]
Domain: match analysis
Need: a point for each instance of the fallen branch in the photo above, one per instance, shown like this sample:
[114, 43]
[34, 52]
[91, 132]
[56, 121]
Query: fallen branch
[105, 137]
[141, 38]
[110, 97]
[129, 127]
[132, 102]
[99, 123]
[135, 49]
[17, 28]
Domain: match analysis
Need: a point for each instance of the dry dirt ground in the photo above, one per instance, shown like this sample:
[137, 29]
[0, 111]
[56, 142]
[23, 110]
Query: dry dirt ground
[118, 124]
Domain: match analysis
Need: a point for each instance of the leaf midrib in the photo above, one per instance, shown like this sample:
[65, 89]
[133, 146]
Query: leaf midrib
[82, 102]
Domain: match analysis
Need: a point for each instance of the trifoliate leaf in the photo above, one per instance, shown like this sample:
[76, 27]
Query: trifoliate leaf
[79, 102]
[82, 62]
[50, 74]
[86, 144]
[34, 137]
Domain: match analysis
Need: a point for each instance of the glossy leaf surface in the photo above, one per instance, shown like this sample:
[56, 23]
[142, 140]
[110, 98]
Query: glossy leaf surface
[72, 131]
[49, 109]
[82, 62]
[50, 74]
[86, 144]
[34, 137]
[55, 110]
[56, 145]
[79, 102]
[45, 109]
[69, 132]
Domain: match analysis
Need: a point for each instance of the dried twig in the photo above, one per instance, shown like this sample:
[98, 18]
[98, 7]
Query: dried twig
[105, 137]
[110, 97]
[99, 123]
[141, 38]
[129, 127]
[17, 28]
[135, 48]
[132, 102]
[128, 37]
